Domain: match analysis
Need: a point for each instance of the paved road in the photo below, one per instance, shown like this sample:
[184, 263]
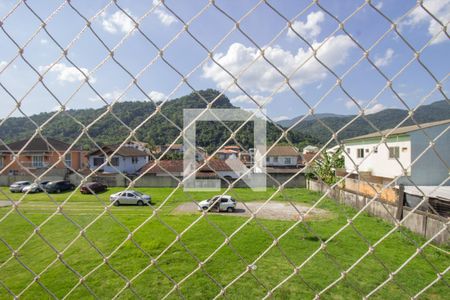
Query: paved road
[5, 203]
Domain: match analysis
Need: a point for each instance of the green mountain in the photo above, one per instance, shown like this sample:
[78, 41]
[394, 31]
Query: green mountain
[384, 119]
[112, 128]
[290, 122]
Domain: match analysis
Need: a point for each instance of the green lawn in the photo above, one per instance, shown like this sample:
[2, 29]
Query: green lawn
[109, 231]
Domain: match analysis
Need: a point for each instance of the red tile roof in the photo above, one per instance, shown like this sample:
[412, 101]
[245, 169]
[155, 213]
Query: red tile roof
[38, 144]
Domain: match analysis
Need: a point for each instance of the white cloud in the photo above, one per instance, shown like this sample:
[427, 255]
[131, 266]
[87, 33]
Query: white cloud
[309, 29]
[66, 73]
[371, 110]
[261, 77]
[379, 5]
[280, 118]
[350, 103]
[3, 64]
[374, 109]
[386, 59]
[244, 99]
[157, 96]
[110, 96]
[43, 41]
[117, 22]
[439, 9]
[165, 18]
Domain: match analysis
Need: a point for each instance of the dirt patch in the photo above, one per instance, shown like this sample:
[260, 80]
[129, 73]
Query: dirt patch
[273, 210]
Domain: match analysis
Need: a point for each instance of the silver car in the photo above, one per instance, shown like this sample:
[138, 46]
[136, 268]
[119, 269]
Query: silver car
[130, 197]
[18, 186]
[35, 187]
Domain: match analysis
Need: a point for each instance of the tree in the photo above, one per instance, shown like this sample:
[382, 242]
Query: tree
[325, 167]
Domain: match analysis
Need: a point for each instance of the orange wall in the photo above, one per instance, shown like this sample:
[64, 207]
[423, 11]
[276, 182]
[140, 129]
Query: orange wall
[50, 158]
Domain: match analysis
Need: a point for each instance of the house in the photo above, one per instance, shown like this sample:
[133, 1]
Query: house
[283, 156]
[227, 152]
[406, 145]
[38, 155]
[145, 147]
[127, 159]
[214, 168]
[177, 151]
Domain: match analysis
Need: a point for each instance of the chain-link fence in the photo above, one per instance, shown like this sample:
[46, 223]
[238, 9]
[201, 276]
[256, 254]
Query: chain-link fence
[357, 214]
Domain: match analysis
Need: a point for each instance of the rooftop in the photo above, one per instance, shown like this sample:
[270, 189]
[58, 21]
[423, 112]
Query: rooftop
[38, 144]
[400, 130]
[123, 151]
[282, 150]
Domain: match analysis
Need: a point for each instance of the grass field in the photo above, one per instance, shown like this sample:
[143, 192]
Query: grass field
[109, 231]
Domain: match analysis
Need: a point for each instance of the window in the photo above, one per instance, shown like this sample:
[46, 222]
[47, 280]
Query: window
[224, 200]
[287, 161]
[68, 159]
[1, 162]
[348, 150]
[375, 149]
[114, 161]
[98, 161]
[134, 160]
[394, 152]
[37, 161]
[275, 159]
[360, 152]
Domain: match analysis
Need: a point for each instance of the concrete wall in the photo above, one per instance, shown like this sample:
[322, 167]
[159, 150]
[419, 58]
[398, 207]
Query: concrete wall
[378, 163]
[424, 224]
[6, 180]
[430, 169]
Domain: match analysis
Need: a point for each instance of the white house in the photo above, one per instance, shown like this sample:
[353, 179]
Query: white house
[403, 146]
[127, 159]
[283, 156]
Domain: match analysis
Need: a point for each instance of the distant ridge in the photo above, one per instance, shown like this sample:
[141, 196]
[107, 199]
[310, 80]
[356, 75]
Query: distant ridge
[388, 118]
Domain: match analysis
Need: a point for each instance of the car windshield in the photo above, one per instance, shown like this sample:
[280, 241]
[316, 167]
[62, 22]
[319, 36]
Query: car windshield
[138, 193]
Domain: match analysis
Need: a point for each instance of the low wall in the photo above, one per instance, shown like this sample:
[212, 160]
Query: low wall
[422, 223]
[370, 190]
[7, 180]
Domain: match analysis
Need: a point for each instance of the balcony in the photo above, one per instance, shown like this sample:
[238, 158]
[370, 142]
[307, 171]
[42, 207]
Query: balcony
[34, 165]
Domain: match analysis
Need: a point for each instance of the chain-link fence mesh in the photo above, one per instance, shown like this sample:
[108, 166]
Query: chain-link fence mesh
[72, 246]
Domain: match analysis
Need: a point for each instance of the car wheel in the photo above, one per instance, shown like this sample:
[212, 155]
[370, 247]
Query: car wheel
[230, 209]
[140, 203]
[117, 203]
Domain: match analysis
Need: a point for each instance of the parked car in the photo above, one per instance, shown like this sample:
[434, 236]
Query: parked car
[226, 203]
[18, 186]
[130, 197]
[59, 186]
[35, 187]
[93, 187]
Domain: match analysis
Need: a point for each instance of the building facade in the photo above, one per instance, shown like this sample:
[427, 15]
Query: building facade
[39, 155]
[403, 154]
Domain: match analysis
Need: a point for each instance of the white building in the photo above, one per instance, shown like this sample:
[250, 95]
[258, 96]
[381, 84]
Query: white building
[283, 156]
[403, 146]
[126, 160]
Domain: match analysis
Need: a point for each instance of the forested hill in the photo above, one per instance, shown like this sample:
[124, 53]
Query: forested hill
[384, 119]
[156, 131]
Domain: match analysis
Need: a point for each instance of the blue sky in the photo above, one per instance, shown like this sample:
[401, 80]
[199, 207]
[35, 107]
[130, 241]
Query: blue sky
[233, 50]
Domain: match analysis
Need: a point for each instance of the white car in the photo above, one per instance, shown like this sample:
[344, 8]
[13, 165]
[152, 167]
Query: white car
[130, 197]
[18, 186]
[35, 187]
[225, 203]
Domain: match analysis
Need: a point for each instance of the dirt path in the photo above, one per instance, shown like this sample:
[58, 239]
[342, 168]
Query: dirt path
[273, 210]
